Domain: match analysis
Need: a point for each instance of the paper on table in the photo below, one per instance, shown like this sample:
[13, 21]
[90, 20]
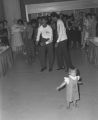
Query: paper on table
[95, 39]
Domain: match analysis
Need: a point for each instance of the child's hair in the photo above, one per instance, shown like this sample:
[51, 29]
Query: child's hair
[75, 70]
[54, 14]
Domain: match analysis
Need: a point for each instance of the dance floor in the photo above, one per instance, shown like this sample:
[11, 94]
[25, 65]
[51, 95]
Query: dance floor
[28, 94]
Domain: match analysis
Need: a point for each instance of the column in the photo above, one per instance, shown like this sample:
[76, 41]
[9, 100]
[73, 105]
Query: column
[12, 10]
[1, 10]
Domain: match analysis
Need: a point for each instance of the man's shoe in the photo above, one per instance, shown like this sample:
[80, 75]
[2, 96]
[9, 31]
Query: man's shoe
[60, 68]
[66, 71]
[50, 69]
[43, 69]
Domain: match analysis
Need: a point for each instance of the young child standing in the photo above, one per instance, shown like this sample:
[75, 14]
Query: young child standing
[29, 46]
[72, 92]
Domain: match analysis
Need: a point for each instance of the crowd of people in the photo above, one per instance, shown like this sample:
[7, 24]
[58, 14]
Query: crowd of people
[49, 36]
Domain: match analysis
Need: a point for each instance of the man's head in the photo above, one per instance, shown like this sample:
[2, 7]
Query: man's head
[54, 16]
[44, 21]
[34, 23]
[20, 22]
[39, 20]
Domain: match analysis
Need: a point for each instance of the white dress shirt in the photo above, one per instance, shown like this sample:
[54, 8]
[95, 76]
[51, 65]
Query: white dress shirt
[61, 30]
[46, 33]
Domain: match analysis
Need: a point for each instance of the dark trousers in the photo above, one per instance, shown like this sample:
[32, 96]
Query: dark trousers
[63, 55]
[70, 38]
[76, 38]
[44, 53]
[30, 50]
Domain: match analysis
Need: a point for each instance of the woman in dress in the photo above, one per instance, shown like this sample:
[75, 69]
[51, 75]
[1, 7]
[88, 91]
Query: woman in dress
[93, 26]
[16, 39]
[86, 30]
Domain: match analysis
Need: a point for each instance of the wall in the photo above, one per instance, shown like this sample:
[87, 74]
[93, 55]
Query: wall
[42, 1]
[1, 9]
[24, 2]
[67, 5]
[12, 10]
[97, 13]
[22, 8]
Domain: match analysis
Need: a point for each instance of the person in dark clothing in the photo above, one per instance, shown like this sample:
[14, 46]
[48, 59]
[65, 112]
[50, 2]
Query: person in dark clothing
[3, 34]
[28, 42]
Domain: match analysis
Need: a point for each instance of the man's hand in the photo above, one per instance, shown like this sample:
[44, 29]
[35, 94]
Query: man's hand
[56, 44]
[42, 43]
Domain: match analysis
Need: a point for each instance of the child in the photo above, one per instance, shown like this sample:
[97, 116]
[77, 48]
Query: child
[29, 46]
[71, 82]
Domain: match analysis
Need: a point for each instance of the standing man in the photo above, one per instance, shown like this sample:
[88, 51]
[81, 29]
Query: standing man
[63, 56]
[45, 39]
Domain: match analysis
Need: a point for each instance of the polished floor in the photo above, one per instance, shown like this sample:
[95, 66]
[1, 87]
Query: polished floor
[28, 94]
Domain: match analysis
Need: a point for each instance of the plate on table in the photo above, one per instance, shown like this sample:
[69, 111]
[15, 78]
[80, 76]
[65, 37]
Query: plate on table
[3, 48]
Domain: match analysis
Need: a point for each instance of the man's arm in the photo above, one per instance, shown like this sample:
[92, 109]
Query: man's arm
[38, 35]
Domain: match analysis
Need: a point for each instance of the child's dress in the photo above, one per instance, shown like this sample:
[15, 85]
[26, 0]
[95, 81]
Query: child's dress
[72, 93]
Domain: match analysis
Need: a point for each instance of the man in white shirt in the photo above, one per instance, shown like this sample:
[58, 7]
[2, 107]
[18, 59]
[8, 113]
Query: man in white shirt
[45, 39]
[63, 57]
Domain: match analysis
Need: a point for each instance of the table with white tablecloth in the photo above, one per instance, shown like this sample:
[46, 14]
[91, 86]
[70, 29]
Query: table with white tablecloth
[6, 60]
[93, 51]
